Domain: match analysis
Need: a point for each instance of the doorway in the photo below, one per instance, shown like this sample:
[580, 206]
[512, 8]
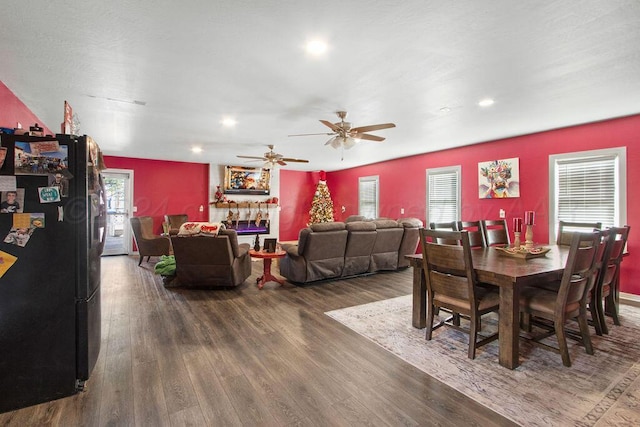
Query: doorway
[118, 185]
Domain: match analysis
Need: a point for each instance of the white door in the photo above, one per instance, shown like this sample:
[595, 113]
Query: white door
[118, 188]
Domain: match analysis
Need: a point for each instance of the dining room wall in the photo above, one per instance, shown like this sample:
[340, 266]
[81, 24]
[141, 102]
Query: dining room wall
[402, 181]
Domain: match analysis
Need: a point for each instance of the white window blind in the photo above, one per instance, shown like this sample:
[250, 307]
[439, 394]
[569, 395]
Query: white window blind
[588, 187]
[443, 194]
[368, 196]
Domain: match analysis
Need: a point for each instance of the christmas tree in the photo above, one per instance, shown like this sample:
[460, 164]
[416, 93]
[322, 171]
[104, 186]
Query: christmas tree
[322, 205]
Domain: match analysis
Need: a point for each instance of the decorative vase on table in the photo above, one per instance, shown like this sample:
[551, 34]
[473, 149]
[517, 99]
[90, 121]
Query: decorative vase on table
[256, 244]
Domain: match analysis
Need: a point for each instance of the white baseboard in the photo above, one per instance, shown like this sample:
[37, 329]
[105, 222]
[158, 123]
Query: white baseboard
[630, 299]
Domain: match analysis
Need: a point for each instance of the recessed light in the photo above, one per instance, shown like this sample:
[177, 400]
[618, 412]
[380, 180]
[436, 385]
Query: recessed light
[229, 121]
[445, 110]
[486, 102]
[316, 47]
[196, 149]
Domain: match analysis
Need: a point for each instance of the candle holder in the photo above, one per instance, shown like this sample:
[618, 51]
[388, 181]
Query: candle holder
[528, 237]
[516, 239]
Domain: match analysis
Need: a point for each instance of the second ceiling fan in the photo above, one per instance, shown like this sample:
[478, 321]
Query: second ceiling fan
[272, 158]
[345, 136]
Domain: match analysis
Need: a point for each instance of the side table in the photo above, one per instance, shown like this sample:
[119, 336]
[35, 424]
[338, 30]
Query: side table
[266, 263]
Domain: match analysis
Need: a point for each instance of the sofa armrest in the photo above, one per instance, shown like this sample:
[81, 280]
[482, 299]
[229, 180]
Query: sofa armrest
[243, 248]
[290, 248]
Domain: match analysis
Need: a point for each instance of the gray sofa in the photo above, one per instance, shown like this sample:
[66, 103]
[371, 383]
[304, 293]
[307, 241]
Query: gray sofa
[345, 249]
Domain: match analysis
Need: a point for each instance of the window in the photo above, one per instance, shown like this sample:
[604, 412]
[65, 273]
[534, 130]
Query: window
[588, 186]
[368, 196]
[443, 194]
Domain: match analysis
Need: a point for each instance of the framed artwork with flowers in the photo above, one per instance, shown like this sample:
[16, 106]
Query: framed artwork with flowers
[498, 179]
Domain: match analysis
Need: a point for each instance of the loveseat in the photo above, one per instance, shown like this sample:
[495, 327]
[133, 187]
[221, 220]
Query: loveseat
[345, 249]
[211, 260]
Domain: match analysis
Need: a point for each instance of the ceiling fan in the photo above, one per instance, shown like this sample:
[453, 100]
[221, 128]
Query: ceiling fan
[272, 158]
[345, 136]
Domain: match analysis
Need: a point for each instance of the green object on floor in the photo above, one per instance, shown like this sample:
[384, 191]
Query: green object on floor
[166, 266]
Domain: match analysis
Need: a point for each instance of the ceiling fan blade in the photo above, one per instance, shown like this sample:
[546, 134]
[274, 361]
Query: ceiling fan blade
[281, 162]
[310, 134]
[363, 129]
[253, 157]
[367, 137]
[331, 125]
[286, 159]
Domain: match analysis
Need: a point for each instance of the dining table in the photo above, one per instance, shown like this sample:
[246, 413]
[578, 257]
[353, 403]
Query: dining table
[507, 272]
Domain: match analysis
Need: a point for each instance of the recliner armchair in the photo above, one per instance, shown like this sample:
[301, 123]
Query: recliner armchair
[148, 243]
[211, 261]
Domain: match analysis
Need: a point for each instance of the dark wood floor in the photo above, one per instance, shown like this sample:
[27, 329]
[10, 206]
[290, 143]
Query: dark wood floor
[172, 356]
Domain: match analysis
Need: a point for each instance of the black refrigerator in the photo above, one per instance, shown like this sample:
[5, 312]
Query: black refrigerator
[50, 286]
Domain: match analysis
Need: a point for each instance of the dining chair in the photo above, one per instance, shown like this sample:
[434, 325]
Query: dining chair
[495, 232]
[569, 301]
[449, 226]
[610, 278]
[566, 229]
[452, 284]
[476, 234]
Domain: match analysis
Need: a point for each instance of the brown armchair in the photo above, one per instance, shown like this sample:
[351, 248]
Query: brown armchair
[211, 261]
[174, 222]
[148, 243]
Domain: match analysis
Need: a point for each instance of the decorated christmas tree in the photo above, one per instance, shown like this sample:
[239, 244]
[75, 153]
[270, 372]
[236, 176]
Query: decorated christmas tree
[322, 205]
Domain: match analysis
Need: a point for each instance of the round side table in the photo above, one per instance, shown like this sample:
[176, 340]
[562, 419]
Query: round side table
[266, 263]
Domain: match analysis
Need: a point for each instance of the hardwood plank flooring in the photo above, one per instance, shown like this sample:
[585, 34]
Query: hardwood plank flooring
[243, 356]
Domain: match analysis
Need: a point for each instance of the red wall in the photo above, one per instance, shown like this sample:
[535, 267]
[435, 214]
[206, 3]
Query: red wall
[12, 111]
[165, 187]
[402, 181]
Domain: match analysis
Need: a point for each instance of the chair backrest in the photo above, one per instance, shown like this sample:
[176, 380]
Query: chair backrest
[142, 227]
[449, 226]
[578, 274]
[476, 233]
[175, 221]
[495, 232]
[448, 268]
[566, 230]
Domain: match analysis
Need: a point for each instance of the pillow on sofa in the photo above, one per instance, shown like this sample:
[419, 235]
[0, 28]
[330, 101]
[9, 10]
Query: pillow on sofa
[203, 228]
[410, 222]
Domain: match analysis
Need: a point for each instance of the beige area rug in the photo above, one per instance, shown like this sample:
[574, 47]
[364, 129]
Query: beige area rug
[602, 390]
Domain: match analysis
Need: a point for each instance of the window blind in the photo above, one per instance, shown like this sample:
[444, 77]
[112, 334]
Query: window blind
[368, 197]
[587, 190]
[443, 195]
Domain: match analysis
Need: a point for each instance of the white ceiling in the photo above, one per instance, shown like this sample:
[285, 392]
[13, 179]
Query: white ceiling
[547, 64]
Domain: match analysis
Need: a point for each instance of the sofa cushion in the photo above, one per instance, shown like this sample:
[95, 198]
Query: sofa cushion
[410, 222]
[361, 226]
[327, 226]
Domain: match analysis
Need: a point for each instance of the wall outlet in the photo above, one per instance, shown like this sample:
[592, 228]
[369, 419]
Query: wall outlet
[502, 214]
[201, 208]
[135, 209]
[401, 211]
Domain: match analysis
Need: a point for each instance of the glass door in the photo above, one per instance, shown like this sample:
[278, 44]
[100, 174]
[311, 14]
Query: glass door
[118, 185]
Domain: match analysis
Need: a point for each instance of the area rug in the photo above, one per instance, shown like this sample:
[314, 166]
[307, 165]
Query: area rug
[602, 389]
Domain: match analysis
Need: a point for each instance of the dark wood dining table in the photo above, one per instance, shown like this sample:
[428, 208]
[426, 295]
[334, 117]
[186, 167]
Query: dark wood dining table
[510, 274]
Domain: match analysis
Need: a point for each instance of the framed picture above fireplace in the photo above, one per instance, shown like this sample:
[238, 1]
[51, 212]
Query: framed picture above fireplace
[246, 180]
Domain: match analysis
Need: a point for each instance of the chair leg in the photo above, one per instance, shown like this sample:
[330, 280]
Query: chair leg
[140, 260]
[149, 258]
[562, 343]
[473, 336]
[613, 309]
[597, 314]
[584, 330]
[430, 313]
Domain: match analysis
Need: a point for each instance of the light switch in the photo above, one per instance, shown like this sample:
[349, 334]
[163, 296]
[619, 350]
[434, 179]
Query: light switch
[201, 208]
[135, 209]
[401, 211]
[502, 213]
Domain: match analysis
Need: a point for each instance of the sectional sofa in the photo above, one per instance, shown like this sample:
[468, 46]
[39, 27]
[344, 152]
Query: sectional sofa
[345, 249]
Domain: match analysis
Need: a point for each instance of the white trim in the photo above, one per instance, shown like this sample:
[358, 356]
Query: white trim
[629, 299]
[128, 246]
